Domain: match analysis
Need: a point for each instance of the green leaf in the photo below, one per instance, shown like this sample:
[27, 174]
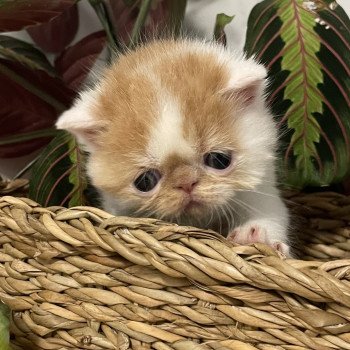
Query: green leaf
[140, 21]
[177, 10]
[101, 11]
[130, 3]
[24, 53]
[58, 176]
[221, 22]
[306, 45]
[4, 327]
[32, 135]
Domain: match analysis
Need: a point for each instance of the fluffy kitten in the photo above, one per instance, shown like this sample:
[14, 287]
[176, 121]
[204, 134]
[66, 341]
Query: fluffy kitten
[179, 130]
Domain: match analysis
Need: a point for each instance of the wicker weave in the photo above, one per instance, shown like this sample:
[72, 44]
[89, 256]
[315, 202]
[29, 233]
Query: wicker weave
[82, 279]
[16, 188]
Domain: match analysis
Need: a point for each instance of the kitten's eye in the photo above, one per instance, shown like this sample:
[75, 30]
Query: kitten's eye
[147, 180]
[218, 160]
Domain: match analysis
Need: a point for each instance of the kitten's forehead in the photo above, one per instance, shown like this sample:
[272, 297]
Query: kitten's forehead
[167, 132]
[163, 100]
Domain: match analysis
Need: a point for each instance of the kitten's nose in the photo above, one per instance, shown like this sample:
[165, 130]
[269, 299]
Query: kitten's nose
[187, 187]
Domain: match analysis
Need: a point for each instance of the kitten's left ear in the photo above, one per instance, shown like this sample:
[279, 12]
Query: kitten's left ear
[79, 121]
[247, 83]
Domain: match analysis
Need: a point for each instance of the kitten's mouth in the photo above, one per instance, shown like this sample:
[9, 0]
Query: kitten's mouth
[192, 204]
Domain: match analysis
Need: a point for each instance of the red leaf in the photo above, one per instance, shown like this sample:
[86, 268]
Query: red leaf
[75, 62]
[21, 111]
[16, 15]
[56, 34]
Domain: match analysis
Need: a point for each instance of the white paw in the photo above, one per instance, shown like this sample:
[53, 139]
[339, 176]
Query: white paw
[261, 231]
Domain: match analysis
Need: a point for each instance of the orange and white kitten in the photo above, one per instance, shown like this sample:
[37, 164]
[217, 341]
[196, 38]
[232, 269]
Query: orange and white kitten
[179, 130]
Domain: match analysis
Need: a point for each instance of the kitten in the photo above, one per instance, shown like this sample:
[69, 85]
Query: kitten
[179, 130]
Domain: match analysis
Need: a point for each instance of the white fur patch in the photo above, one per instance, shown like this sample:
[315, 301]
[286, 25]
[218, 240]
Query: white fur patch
[78, 120]
[79, 115]
[167, 135]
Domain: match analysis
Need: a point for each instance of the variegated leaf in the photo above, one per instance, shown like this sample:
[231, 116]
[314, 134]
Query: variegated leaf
[306, 46]
[58, 176]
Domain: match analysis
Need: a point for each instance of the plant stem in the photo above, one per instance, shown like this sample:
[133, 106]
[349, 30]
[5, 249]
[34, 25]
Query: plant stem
[28, 136]
[140, 22]
[221, 22]
[60, 107]
[102, 14]
[176, 15]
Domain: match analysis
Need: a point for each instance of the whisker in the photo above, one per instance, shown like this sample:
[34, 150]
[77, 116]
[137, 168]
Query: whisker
[219, 217]
[231, 212]
[266, 194]
[251, 208]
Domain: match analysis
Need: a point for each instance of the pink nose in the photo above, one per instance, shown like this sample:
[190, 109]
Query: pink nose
[187, 187]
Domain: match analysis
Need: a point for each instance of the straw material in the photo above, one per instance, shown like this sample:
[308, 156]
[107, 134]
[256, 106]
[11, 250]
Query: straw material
[81, 278]
[18, 187]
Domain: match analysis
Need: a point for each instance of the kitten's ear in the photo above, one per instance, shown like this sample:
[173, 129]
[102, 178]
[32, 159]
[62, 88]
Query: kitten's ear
[246, 84]
[79, 121]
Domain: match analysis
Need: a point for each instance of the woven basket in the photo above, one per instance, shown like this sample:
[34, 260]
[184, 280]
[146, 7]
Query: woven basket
[81, 278]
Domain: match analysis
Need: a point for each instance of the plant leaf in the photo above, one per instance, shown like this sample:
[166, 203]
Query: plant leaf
[221, 22]
[24, 53]
[130, 2]
[58, 176]
[75, 62]
[177, 10]
[22, 110]
[4, 327]
[55, 35]
[145, 7]
[101, 9]
[16, 15]
[31, 135]
[164, 15]
[306, 49]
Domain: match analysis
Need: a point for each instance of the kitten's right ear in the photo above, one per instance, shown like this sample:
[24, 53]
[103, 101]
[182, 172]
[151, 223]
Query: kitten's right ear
[247, 82]
[79, 121]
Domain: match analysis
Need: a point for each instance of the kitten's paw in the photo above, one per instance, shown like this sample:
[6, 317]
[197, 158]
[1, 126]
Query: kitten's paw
[283, 248]
[261, 232]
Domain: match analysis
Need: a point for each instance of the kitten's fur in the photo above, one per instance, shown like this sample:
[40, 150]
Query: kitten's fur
[163, 106]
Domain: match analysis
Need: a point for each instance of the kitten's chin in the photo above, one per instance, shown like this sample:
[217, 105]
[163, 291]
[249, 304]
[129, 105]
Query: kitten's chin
[193, 206]
[193, 213]
[204, 215]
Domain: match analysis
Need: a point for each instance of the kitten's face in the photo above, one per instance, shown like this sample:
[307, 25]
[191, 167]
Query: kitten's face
[174, 140]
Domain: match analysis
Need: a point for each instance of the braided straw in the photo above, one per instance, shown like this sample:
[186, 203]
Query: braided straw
[18, 187]
[81, 278]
